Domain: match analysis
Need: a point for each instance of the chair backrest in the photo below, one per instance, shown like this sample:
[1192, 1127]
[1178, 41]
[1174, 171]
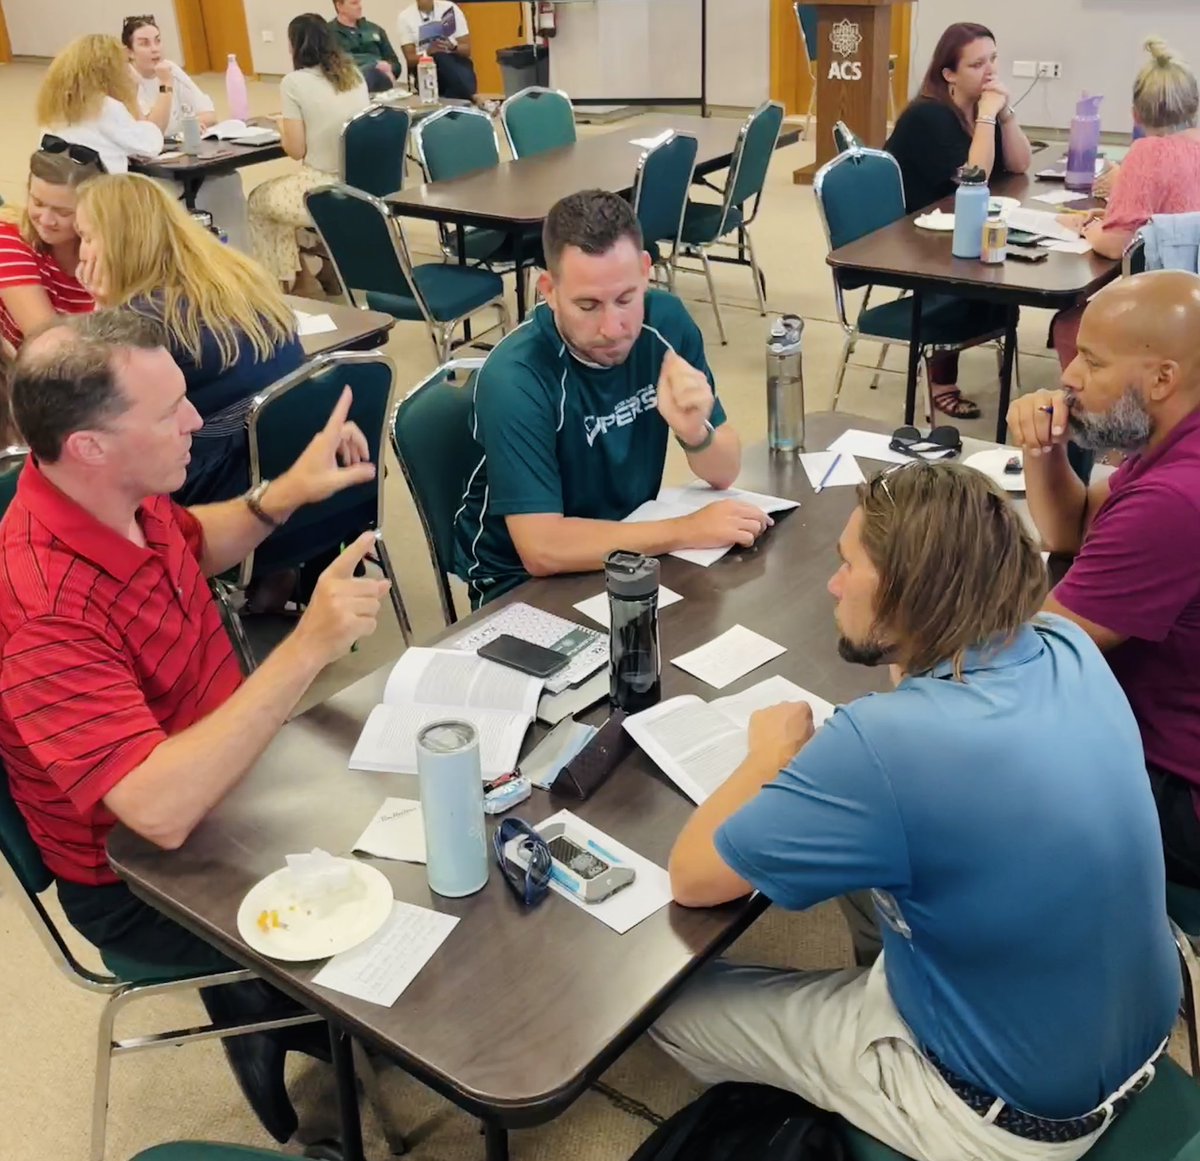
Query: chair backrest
[283, 420]
[751, 160]
[454, 141]
[431, 436]
[807, 22]
[365, 241]
[845, 138]
[12, 461]
[537, 119]
[661, 186]
[374, 146]
[1172, 242]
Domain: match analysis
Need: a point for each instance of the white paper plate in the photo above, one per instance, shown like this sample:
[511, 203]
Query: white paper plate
[943, 223]
[997, 205]
[991, 464]
[304, 934]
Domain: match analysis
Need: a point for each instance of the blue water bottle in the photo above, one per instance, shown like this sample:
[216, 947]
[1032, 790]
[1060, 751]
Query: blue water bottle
[456, 856]
[970, 212]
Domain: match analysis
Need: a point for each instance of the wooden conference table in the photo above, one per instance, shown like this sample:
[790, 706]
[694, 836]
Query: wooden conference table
[357, 330]
[521, 1010]
[903, 256]
[215, 159]
[515, 197]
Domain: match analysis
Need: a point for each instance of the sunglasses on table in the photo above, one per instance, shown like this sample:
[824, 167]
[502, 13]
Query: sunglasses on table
[80, 154]
[529, 884]
[942, 443]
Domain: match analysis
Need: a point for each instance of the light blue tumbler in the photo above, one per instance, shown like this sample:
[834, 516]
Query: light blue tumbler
[456, 857]
[970, 212]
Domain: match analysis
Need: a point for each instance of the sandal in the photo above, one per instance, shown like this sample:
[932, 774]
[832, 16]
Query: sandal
[953, 404]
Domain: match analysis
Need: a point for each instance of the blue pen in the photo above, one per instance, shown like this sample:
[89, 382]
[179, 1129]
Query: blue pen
[837, 459]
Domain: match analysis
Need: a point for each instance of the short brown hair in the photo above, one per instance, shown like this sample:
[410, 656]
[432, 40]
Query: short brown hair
[593, 220]
[957, 567]
[69, 383]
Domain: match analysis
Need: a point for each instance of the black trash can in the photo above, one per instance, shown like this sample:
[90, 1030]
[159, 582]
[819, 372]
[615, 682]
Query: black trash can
[523, 65]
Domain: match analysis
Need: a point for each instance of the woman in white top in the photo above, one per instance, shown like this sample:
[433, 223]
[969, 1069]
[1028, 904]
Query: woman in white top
[165, 93]
[319, 97]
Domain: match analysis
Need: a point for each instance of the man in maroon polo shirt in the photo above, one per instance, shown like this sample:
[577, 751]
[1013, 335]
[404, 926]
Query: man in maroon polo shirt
[120, 695]
[1134, 585]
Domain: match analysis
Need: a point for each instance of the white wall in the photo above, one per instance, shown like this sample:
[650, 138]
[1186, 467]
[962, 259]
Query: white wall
[43, 27]
[1097, 41]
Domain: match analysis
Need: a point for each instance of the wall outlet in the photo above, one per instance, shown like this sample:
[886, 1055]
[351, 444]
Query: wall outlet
[268, 37]
[1025, 68]
[1049, 68]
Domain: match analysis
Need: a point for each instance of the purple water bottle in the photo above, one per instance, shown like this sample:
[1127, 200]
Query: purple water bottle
[235, 90]
[1084, 144]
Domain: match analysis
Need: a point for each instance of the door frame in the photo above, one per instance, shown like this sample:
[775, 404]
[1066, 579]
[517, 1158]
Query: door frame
[194, 41]
[5, 43]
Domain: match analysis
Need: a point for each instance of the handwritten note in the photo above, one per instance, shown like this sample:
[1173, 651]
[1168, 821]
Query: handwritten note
[733, 654]
[380, 969]
[396, 832]
[817, 467]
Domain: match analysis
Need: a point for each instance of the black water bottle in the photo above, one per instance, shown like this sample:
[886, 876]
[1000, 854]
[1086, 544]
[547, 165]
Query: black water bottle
[634, 664]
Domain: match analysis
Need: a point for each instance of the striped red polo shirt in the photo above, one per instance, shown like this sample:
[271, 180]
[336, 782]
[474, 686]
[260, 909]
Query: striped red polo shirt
[106, 650]
[22, 265]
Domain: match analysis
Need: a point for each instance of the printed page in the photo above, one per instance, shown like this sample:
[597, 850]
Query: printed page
[450, 677]
[729, 657]
[774, 691]
[699, 495]
[388, 742]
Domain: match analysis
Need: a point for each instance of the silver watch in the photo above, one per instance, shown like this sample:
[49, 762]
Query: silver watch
[253, 500]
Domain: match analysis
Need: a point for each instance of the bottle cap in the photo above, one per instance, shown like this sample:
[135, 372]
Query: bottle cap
[971, 175]
[631, 575]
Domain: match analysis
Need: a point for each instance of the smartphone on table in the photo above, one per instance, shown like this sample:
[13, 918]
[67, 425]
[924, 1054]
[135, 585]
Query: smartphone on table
[525, 656]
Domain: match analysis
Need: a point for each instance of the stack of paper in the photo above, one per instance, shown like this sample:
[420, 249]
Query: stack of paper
[1041, 222]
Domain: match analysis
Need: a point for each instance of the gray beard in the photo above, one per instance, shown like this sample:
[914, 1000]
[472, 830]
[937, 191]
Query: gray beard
[1126, 427]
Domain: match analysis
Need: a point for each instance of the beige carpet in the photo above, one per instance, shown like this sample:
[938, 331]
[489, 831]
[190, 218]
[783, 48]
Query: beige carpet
[48, 1026]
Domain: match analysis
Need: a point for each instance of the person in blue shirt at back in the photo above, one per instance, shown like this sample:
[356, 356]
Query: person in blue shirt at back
[228, 327]
[996, 807]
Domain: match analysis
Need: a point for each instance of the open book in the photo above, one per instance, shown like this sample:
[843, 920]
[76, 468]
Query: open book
[433, 30]
[429, 685]
[699, 744]
[242, 133]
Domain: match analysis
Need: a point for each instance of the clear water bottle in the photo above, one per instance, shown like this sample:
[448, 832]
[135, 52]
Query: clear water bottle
[785, 385]
[190, 131]
[970, 212]
[235, 90]
[634, 661]
[427, 82]
[451, 783]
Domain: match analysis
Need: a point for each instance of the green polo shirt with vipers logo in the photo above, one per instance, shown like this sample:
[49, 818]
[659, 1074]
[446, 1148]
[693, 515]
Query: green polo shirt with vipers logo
[367, 43]
[562, 436]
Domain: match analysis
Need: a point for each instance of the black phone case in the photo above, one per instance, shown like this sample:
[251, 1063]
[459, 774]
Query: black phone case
[591, 767]
[485, 652]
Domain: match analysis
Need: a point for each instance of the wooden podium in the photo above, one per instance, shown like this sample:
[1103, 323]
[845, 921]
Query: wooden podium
[853, 44]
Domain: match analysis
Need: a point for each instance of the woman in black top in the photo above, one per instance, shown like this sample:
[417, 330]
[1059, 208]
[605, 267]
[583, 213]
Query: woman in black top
[961, 116]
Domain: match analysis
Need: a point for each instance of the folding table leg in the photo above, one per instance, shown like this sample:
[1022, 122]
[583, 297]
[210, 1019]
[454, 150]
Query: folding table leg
[495, 1141]
[518, 253]
[1006, 371]
[914, 358]
[341, 1048]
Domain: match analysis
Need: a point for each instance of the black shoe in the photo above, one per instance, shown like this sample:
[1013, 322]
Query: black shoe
[257, 1063]
[311, 1039]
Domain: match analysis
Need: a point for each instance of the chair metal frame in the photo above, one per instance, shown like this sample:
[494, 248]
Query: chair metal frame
[670, 266]
[1190, 1007]
[119, 994]
[852, 332]
[441, 334]
[442, 573]
[524, 93]
[224, 590]
[744, 245]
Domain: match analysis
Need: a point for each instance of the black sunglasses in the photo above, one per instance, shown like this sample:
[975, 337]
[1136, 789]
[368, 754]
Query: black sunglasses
[529, 884]
[941, 443]
[80, 154]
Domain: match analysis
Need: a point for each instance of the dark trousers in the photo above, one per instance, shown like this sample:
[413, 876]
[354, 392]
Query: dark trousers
[456, 76]
[377, 80]
[1180, 827]
[218, 470]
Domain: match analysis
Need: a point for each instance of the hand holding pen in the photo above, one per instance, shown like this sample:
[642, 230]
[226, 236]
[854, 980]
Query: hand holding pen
[1039, 421]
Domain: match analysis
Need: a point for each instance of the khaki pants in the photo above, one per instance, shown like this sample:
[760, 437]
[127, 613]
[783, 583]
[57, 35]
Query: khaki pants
[277, 211]
[837, 1040]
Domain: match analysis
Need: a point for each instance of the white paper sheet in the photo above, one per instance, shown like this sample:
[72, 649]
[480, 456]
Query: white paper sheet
[1061, 197]
[396, 832]
[597, 607]
[1043, 222]
[817, 464]
[651, 142]
[871, 445]
[729, 657]
[379, 969]
[1078, 246]
[649, 891]
[314, 324]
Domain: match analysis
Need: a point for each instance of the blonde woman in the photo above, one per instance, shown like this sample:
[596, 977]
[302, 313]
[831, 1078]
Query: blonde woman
[229, 328]
[322, 93]
[39, 245]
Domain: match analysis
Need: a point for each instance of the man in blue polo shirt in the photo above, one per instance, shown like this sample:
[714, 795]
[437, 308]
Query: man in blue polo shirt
[995, 805]
[573, 411]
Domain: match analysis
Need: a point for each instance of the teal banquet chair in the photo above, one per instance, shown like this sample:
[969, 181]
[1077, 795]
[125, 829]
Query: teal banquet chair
[12, 461]
[431, 436]
[124, 981]
[860, 191]
[660, 197]
[806, 25]
[369, 250]
[537, 119]
[707, 224]
[281, 422]
[206, 1151]
[844, 138]
[374, 144]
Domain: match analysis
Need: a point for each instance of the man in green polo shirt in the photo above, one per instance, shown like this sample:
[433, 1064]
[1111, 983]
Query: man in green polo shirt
[572, 412]
[367, 43]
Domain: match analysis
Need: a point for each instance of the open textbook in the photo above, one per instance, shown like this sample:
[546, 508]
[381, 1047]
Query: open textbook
[698, 744]
[239, 131]
[429, 685]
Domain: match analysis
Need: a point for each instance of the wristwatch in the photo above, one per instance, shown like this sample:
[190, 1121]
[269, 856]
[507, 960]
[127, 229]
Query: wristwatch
[710, 433]
[166, 88]
[253, 500]
[1007, 114]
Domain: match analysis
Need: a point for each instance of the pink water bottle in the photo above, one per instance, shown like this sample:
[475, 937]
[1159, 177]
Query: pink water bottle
[235, 90]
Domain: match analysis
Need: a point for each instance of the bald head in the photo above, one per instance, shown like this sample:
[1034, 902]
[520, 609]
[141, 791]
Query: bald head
[1152, 316]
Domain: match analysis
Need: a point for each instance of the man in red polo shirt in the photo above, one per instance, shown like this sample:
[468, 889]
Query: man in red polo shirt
[120, 695]
[1134, 585]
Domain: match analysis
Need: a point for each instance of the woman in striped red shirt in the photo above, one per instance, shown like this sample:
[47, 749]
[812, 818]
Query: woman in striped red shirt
[39, 246]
